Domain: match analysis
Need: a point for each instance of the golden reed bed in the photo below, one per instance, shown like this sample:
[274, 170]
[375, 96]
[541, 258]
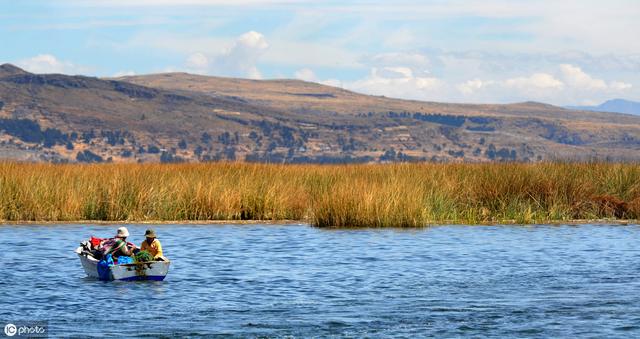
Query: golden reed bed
[392, 195]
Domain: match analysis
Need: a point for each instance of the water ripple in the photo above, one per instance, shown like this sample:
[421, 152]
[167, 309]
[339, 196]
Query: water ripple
[298, 281]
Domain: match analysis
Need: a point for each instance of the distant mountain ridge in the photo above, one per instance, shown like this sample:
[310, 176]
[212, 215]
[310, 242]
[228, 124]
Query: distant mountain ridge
[174, 117]
[614, 105]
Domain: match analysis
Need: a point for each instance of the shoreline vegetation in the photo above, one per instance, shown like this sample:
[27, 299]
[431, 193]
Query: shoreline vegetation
[380, 195]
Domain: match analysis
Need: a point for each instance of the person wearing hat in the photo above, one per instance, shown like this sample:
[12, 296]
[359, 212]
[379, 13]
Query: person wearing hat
[118, 245]
[151, 244]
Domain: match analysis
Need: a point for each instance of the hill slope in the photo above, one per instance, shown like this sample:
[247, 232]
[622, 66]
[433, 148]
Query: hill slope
[178, 116]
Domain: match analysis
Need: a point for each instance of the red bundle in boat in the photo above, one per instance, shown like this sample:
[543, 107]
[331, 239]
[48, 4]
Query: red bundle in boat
[95, 241]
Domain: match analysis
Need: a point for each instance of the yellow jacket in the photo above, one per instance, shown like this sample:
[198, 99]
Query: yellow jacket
[155, 248]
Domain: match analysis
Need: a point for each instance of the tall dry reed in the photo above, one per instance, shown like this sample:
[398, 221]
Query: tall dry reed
[391, 195]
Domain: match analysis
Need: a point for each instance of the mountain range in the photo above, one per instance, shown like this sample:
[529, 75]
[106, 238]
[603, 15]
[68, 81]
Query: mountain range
[614, 105]
[174, 117]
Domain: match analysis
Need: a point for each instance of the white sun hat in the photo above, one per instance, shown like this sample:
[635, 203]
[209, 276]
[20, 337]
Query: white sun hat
[122, 232]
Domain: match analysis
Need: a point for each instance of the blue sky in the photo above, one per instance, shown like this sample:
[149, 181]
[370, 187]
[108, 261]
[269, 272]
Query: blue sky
[491, 51]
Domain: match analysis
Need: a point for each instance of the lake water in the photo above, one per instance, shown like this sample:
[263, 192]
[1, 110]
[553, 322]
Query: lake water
[296, 280]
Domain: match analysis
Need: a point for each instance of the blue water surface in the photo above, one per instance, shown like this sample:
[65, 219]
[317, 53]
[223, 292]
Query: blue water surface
[300, 281]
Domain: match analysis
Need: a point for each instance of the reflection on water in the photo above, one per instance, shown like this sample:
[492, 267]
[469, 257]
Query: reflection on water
[254, 280]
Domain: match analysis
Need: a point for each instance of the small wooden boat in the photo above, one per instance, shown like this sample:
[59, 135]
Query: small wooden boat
[151, 270]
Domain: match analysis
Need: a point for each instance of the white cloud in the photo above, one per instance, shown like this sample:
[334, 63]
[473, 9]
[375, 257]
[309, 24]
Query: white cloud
[415, 63]
[569, 85]
[332, 82]
[399, 72]
[197, 63]
[620, 86]
[477, 77]
[124, 74]
[471, 86]
[576, 77]
[251, 40]
[47, 63]
[242, 57]
[305, 74]
[535, 81]
[563, 84]
[238, 59]
[398, 82]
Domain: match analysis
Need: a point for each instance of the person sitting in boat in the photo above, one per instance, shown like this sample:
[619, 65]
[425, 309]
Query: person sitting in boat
[118, 245]
[152, 244]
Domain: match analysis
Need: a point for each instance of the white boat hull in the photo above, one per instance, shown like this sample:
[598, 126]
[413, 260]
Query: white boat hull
[152, 270]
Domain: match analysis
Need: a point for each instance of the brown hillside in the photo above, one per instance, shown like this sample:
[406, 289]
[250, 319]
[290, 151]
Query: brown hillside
[178, 116]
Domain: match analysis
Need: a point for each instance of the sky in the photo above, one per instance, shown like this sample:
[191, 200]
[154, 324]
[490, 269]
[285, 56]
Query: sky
[569, 52]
